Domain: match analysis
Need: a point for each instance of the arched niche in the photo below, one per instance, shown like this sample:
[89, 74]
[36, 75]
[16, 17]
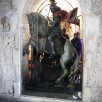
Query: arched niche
[32, 6]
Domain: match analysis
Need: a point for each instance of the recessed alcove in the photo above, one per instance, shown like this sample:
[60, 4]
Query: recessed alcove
[27, 65]
[13, 71]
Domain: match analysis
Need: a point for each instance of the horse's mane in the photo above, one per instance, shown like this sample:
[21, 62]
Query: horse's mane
[38, 17]
[40, 21]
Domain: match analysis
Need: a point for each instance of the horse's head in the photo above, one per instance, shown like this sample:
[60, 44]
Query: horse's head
[32, 23]
[37, 24]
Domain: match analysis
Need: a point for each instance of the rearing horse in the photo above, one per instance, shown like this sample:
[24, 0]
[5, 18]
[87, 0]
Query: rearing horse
[39, 30]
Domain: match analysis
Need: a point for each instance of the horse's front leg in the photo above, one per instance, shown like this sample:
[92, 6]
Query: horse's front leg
[65, 71]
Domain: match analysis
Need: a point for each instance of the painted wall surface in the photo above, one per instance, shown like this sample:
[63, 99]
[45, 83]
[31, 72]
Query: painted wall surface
[12, 28]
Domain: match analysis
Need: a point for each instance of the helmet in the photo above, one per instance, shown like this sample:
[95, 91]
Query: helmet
[52, 0]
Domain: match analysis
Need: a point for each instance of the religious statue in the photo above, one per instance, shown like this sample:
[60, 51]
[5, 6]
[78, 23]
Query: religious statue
[68, 60]
[56, 29]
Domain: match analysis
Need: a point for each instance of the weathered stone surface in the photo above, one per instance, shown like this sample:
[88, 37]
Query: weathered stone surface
[1, 38]
[89, 57]
[98, 79]
[91, 24]
[8, 73]
[5, 55]
[16, 57]
[17, 74]
[99, 54]
[5, 24]
[12, 30]
[86, 6]
[9, 40]
[7, 88]
[1, 76]
[99, 49]
[97, 7]
[87, 94]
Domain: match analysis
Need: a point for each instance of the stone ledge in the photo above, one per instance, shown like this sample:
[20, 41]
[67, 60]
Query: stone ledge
[45, 99]
[33, 99]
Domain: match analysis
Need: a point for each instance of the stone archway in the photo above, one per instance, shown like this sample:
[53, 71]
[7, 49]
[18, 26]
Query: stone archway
[89, 38]
[11, 49]
[25, 25]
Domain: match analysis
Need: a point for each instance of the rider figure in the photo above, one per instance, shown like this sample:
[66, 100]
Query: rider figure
[56, 29]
